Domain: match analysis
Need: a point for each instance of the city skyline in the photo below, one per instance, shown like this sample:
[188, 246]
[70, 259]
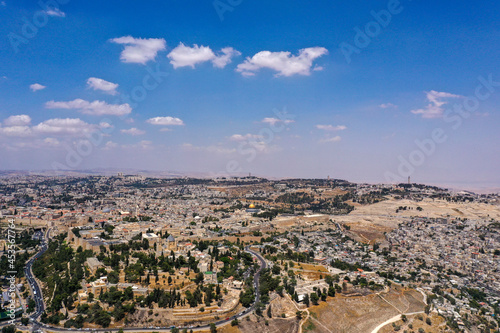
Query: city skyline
[365, 92]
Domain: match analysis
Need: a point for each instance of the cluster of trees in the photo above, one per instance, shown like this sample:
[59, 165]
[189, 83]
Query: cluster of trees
[267, 284]
[145, 262]
[345, 266]
[247, 297]
[337, 205]
[296, 256]
[204, 294]
[295, 198]
[164, 299]
[63, 279]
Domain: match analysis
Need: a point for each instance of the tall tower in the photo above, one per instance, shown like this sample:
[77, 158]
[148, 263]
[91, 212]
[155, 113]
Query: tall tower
[409, 182]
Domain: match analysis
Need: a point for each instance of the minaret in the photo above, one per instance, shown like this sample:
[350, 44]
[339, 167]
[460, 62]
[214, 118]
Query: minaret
[409, 182]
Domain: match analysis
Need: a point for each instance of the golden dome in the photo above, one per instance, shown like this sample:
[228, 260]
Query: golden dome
[251, 206]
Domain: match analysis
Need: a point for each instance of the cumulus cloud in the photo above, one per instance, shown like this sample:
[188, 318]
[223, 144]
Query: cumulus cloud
[19, 120]
[216, 149]
[67, 126]
[273, 121]
[96, 108]
[239, 137]
[186, 56]
[388, 106]
[132, 131]
[331, 128]
[55, 12]
[332, 139]
[165, 121]
[103, 85]
[32, 144]
[109, 145]
[20, 126]
[284, 63]
[435, 107]
[144, 144]
[224, 57]
[16, 131]
[139, 50]
[105, 125]
[16, 126]
[36, 86]
[51, 142]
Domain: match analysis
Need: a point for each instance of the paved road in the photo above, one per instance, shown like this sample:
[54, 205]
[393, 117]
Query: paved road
[40, 307]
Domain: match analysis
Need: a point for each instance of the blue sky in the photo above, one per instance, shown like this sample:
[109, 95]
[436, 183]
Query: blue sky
[267, 89]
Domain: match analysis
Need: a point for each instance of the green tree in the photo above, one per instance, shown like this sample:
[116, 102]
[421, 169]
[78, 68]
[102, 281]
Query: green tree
[314, 298]
[299, 315]
[199, 278]
[9, 329]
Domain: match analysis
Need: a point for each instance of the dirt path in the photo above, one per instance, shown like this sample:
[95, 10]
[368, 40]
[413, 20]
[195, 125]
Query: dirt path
[303, 319]
[393, 320]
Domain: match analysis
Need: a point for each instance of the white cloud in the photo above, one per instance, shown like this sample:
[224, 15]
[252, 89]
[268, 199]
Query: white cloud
[19, 120]
[51, 142]
[214, 149]
[132, 131]
[220, 150]
[96, 108]
[224, 57]
[103, 85]
[17, 131]
[104, 124]
[67, 126]
[139, 50]
[388, 106]
[333, 139]
[165, 121]
[109, 145]
[435, 108]
[183, 56]
[273, 121]
[19, 126]
[55, 12]
[144, 144]
[239, 137]
[284, 63]
[32, 144]
[36, 86]
[331, 128]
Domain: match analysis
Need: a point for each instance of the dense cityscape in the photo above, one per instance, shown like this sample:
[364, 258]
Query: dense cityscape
[185, 254]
